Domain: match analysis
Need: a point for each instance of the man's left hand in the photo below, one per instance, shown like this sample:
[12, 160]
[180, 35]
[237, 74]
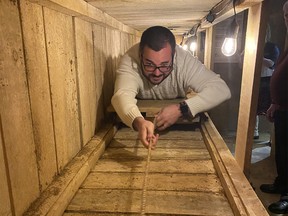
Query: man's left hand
[167, 116]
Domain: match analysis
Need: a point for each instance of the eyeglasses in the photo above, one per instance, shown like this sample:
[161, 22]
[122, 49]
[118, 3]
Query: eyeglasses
[163, 69]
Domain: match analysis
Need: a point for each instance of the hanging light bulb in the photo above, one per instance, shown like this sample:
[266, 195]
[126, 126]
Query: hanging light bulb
[193, 44]
[229, 45]
[185, 47]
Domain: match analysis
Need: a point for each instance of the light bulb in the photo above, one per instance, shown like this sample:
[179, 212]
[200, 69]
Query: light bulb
[229, 46]
[193, 46]
[185, 47]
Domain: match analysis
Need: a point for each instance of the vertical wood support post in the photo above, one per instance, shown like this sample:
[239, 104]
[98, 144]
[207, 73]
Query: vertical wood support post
[208, 48]
[254, 45]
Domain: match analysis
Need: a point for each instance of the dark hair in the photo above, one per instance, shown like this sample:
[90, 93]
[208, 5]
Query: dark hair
[156, 38]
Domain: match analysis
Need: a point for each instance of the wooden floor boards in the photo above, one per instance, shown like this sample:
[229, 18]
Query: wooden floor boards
[182, 178]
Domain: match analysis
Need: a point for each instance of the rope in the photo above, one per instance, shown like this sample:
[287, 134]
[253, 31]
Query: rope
[144, 189]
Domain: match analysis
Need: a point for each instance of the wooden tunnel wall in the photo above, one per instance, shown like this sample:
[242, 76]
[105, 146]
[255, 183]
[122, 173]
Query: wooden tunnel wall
[57, 69]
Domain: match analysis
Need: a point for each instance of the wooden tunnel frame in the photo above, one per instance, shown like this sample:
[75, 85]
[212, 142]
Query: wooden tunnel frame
[19, 196]
[239, 192]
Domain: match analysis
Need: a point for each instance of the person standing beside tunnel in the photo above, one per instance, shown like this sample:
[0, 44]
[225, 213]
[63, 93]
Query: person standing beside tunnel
[159, 69]
[278, 113]
[271, 54]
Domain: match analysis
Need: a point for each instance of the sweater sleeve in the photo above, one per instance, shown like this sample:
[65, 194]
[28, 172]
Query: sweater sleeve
[126, 88]
[210, 88]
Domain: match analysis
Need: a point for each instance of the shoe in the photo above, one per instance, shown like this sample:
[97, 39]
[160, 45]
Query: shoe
[270, 188]
[256, 137]
[280, 207]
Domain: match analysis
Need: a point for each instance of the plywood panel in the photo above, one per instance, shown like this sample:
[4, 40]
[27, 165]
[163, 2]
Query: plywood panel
[54, 200]
[171, 133]
[98, 214]
[157, 181]
[177, 184]
[162, 143]
[39, 90]
[99, 41]
[151, 106]
[242, 197]
[113, 47]
[115, 51]
[85, 11]
[5, 198]
[125, 43]
[61, 64]
[108, 85]
[86, 78]
[168, 202]
[140, 154]
[167, 166]
[15, 110]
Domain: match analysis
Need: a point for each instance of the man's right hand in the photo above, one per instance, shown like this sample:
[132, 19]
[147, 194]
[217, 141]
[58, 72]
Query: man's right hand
[270, 112]
[145, 130]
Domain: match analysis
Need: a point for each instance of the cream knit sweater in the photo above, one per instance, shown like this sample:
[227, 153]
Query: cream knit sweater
[188, 73]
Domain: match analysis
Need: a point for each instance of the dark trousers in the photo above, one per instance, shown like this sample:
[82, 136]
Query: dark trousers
[281, 148]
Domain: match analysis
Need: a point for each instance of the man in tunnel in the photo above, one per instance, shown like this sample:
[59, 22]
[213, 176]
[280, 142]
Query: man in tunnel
[159, 69]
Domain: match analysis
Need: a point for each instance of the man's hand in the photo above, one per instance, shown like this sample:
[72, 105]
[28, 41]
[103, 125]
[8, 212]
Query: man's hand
[168, 116]
[145, 130]
[270, 112]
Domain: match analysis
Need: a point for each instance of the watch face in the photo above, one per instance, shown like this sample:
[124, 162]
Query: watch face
[184, 108]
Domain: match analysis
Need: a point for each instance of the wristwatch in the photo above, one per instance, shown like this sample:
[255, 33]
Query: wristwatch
[184, 108]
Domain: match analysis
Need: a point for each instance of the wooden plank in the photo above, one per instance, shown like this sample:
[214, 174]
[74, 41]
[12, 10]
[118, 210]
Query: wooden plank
[174, 132]
[75, 8]
[97, 213]
[5, 199]
[99, 42]
[150, 106]
[170, 186]
[250, 85]
[85, 11]
[157, 181]
[109, 75]
[125, 44]
[230, 190]
[166, 166]
[86, 78]
[39, 91]
[158, 202]
[116, 54]
[162, 143]
[54, 200]
[208, 57]
[116, 25]
[238, 190]
[159, 154]
[62, 71]
[15, 111]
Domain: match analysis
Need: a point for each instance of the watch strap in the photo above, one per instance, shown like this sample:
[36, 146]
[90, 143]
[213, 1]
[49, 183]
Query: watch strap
[184, 109]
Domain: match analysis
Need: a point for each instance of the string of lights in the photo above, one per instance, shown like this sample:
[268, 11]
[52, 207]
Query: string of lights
[229, 45]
